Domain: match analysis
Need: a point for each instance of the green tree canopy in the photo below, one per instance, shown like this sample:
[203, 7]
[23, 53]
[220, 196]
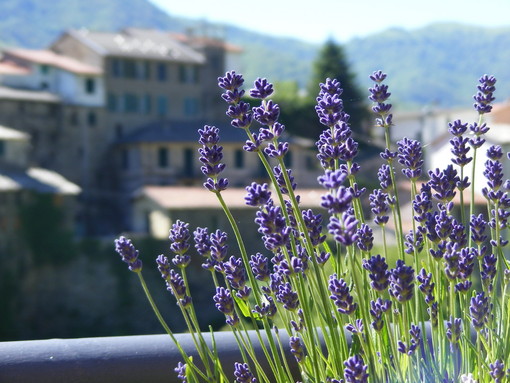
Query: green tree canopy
[331, 62]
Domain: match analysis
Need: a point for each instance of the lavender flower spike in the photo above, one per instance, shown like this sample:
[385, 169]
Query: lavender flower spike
[479, 310]
[410, 156]
[355, 370]
[485, 95]
[497, 371]
[243, 374]
[401, 282]
[129, 254]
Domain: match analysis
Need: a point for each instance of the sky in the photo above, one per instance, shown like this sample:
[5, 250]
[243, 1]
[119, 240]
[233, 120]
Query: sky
[317, 20]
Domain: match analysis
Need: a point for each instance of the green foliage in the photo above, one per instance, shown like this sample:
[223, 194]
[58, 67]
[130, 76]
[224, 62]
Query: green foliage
[332, 63]
[44, 233]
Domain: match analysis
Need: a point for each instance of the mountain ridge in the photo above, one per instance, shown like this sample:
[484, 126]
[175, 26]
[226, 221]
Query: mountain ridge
[437, 64]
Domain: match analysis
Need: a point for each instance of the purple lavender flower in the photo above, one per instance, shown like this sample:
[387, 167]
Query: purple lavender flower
[332, 179]
[287, 297]
[181, 372]
[174, 282]
[460, 149]
[243, 374]
[454, 331]
[313, 225]
[211, 155]
[231, 82]
[329, 104]
[488, 271]
[261, 88]
[332, 145]
[426, 286]
[259, 267]
[268, 308]
[378, 272]
[379, 206]
[433, 312]
[202, 241]
[267, 114]
[344, 230]
[384, 176]
[280, 179]
[179, 236]
[444, 183]
[451, 258]
[277, 150]
[478, 226]
[235, 272]
[413, 242]
[129, 254]
[379, 95]
[225, 304]
[422, 205]
[355, 370]
[257, 194]
[297, 349]
[410, 156]
[338, 201]
[415, 333]
[485, 95]
[273, 227]
[377, 309]
[497, 371]
[479, 311]
[401, 282]
[365, 236]
[457, 128]
[478, 131]
[356, 328]
[340, 294]
[219, 245]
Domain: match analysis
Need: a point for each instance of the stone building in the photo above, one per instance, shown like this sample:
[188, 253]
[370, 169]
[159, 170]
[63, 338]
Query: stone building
[117, 111]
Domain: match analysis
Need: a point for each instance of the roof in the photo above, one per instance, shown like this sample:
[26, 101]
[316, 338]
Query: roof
[11, 68]
[47, 57]
[205, 41]
[187, 131]
[182, 131]
[197, 197]
[12, 134]
[36, 179]
[138, 43]
[28, 95]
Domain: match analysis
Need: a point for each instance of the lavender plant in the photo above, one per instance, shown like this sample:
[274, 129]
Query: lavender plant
[433, 308]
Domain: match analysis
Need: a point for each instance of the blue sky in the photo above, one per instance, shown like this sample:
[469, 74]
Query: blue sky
[316, 20]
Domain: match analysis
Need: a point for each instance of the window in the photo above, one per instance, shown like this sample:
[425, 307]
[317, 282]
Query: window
[2, 148]
[188, 74]
[119, 130]
[143, 70]
[129, 69]
[131, 103]
[163, 157]
[125, 159]
[161, 70]
[113, 105]
[162, 106]
[116, 68]
[191, 106]
[147, 104]
[90, 85]
[73, 118]
[239, 159]
[44, 69]
[188, 162]
[92, 119]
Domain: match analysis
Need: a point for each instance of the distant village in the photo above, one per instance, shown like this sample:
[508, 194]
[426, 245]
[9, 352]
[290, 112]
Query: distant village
[107, 124]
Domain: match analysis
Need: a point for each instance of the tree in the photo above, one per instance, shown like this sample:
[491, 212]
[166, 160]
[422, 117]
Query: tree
[332, 63]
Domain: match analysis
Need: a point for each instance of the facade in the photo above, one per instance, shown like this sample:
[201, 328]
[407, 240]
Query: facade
[21, 183]
[118, 111]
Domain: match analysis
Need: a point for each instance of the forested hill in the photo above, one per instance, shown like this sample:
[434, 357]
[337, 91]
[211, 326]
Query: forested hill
[437, 64]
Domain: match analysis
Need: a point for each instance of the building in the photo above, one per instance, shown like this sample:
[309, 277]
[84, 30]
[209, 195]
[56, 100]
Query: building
[21, 184]
[117, 111]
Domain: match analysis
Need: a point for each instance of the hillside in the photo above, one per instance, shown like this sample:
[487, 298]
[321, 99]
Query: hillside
[438, 64]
